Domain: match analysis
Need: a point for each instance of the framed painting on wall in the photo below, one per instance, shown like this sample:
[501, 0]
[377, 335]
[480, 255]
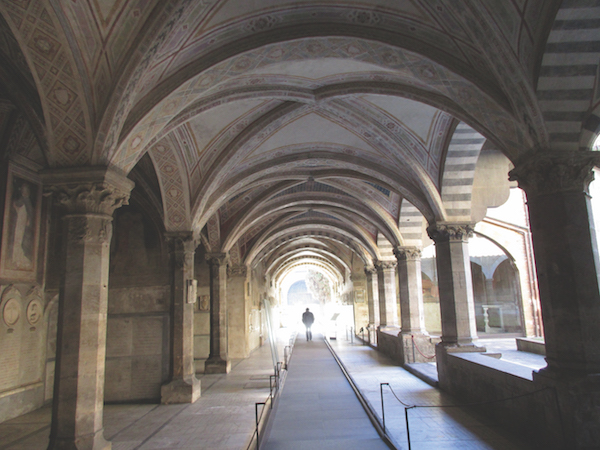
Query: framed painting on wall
[21, 230]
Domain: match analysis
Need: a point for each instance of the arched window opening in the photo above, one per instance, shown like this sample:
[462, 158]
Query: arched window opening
[496, 289]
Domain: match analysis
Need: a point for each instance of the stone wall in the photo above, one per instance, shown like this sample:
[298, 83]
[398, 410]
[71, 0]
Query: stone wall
[473, 377]
[137, 343]
[25, 307]
[139, 308]
[23, 336]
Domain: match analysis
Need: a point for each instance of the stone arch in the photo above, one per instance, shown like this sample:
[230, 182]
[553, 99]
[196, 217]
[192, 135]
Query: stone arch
[499, 123]
[568, 78]
[173, 180]
[459, 172]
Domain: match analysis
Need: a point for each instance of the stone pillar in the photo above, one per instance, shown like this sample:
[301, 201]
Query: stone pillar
[373, 301]
[386, 280]
[565, 249]
[416, 344]
[457, 306]
[237, 330]
[218, 361]
[183, 386]
[88, 198]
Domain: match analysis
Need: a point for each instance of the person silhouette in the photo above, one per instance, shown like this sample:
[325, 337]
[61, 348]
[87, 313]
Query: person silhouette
[308, 319]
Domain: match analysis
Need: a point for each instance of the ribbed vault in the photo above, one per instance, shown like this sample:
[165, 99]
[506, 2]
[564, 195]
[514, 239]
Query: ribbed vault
[285, 132]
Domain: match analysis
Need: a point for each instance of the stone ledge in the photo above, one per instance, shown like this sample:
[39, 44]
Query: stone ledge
[499, 365]
[537, 346]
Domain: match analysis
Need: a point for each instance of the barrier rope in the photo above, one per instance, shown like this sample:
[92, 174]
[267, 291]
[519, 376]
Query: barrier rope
[412, 336]
[408, 407]
[469, 404]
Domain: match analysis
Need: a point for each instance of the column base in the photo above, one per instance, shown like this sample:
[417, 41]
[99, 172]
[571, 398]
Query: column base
[180, 391]
[578, 419]
[93, 442]
[217, 365]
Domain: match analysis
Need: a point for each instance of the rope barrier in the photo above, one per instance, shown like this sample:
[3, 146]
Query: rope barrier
[469, 404]
[419, 350]
[407, 406]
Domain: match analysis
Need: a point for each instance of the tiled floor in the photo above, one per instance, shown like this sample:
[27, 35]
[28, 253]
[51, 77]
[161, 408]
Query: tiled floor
[223, 418]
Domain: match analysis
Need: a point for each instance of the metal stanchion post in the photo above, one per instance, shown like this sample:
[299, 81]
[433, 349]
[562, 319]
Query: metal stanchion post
[382, 407]
[257, 421]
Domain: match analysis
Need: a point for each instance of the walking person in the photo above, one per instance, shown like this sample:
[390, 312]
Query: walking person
[308, 319]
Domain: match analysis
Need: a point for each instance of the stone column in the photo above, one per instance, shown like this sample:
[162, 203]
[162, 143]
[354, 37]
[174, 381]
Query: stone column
[457, 306]
[218, 361]
[88, 198]
[183, 386]
[237, 330]
[566, 257]
[373, 301]
[386, 279]
[416, 344]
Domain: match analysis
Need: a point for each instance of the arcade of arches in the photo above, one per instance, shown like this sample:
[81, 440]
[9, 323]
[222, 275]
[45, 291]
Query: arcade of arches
[166, 165]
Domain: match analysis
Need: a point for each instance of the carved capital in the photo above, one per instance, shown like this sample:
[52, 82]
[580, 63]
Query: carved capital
[370, 271]
[407, 253]
[386, 265]
[442, 232]
[237, 271]
[182, 246]
[97, 190]
[216, 259]
[552, 172]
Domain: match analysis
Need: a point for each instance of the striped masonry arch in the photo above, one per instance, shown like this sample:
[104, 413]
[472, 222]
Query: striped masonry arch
[459, 171]
[567, 89]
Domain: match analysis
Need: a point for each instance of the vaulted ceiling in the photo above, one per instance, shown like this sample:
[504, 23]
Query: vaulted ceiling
[287, 130]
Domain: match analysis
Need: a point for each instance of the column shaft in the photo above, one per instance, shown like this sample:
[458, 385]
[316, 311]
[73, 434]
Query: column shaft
[237, 331]
[372, 296]
[218, 361]
[411, 290]
[372, 301]
[566, 257]
[89, 201]
[567, 265]
[388, 308]
[183, 386]
[457, 306]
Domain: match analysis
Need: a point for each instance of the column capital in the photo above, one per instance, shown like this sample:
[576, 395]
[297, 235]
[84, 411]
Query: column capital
[385, 265]
[83, 190]
[407, 253]
[237, 271]
[216, 259]
[443, 232]
[370, 270]
[182, 246]
[539, 173]
[185, 239]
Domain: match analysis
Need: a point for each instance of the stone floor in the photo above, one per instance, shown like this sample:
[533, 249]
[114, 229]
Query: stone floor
[223, 418]
[317, 408]
[431, 427]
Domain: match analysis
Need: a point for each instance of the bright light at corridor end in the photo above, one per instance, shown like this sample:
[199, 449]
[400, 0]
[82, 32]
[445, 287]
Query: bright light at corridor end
[296, 291]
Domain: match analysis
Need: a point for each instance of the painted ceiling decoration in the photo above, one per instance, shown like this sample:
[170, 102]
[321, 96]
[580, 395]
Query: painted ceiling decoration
[292, 132]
